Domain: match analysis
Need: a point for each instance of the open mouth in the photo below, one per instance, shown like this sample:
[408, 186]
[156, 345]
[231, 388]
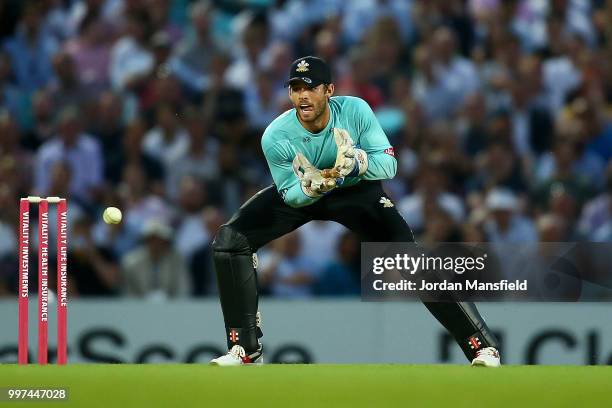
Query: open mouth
[306, 108]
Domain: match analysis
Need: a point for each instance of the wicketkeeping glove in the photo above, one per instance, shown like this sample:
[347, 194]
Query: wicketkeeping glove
[313, 183]
[350, 161]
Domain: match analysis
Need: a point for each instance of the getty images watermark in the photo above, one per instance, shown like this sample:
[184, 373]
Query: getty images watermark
[486, 272]
[406, 264]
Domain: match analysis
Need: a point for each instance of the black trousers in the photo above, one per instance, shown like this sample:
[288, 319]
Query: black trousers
[266, 217]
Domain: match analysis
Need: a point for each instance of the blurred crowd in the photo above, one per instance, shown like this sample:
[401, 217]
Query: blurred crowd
[499, 111]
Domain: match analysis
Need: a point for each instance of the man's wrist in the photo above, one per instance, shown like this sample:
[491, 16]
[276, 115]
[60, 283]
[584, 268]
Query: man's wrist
[361, 164]
[355, 171]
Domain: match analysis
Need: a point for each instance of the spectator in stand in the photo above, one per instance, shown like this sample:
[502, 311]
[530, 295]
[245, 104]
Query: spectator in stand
[411, 136]
[10, 94]
[191, 232]
[261, 104]
[227, 191]
[90, 51]
[506, 224]
[201, 267]
[596, 219]
[532, 125]
[159, 14]
[192, 58]
[155, 270]
[561, 72]
[358, 81]
[8, 232]
[498, 165]
[161, 46]
[131, 153]
[9, 264]
[222, 101]
[434, 95]
[141, 201]
[66, 89]
[387, 50]
[15, 161]
[431, 192]
[360, 17]
[131, 60]
[439, 227]
[278, 57]
[315, 237]
[472, 125]
[109, 129]
[167, 141]
[285, 271]
[441, 145]
[564, 177]
[254, 38]
[458, 74]
[342, 276]
[596, 123]
[552, 228]
[31, 50]
[41, 126]
[107, 11]
[81, 151]
[200, 160]
[327, 45]
[586, 166]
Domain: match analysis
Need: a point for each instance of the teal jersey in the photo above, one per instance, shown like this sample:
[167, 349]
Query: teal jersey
[285, 137]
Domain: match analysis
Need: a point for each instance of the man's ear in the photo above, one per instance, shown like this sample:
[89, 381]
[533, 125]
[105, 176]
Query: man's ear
[329, 90]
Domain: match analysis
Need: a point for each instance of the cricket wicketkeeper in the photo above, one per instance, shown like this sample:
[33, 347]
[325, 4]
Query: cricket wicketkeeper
[327, 156]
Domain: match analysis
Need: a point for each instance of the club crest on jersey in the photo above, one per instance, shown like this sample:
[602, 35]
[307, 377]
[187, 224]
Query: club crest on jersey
[233, 336]
[386, 202]
[474, 342]
[302, 66]
[306, 139]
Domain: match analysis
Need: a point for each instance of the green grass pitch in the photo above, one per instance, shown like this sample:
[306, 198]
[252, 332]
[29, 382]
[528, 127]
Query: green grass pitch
[317, 385]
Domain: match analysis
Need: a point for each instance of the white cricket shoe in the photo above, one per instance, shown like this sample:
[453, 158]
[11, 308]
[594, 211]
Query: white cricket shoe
[238, 356]
[487, 357]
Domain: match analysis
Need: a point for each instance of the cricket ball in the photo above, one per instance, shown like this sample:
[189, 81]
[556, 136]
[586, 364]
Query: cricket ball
[112, 215]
